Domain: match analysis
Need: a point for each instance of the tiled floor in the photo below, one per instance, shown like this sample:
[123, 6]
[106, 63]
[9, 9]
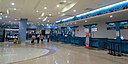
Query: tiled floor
[61, 54]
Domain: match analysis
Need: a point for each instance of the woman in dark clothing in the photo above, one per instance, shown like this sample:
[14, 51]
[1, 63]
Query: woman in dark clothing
[48, 38]
[38, 39]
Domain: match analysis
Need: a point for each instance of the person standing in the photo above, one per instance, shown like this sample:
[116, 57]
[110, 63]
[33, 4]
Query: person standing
[48, 38]
[38, 38]
[33, 38]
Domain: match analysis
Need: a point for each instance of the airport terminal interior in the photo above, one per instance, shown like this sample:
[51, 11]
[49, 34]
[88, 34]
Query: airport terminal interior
[63, 31]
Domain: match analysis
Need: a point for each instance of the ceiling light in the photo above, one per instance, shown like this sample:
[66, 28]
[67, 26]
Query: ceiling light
[74, 10]
[63, 14]
[12, 3]
[7, 11]
[1, 13]
[39, 18]
[37, 11]
[65, 1]
[86, 21]
[111, 16]
[45, 7]
[6, 16]
[45, 19]
[50, 14]
[42, 14]
[14, 8]
[57, 5]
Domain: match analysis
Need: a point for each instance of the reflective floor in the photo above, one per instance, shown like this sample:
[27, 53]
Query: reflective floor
[56, 53]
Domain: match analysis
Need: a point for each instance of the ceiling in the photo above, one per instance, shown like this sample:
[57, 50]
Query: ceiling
[33, 9]
[116, 16]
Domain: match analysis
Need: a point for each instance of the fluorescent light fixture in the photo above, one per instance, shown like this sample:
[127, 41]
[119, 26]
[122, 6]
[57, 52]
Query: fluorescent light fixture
[7, 11]
[70, 18]
[12, 3]
[58, 5]
[42, 14]
[58, 21]
[45, 7]
[45, 19]
[103, 8]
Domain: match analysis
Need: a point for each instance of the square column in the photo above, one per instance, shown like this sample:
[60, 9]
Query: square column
[22, 30]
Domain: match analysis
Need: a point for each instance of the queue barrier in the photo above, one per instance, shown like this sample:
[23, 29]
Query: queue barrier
[115, 48]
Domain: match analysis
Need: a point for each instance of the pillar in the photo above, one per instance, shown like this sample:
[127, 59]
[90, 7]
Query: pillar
[118, 31]
[22, 30]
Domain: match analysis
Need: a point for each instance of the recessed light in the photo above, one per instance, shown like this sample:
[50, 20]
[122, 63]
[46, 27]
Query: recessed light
[86, 21]
[74, 10]
[12, 3]
[37, 11]
[6, 16]
[14, 8]
[111, 16]
[58, 5]
[65, 1]
[39, 18]
[50, 14]
[45, 7]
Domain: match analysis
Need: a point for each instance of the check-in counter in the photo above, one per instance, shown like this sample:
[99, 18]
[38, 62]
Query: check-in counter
[123, 44]
[98, 43]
